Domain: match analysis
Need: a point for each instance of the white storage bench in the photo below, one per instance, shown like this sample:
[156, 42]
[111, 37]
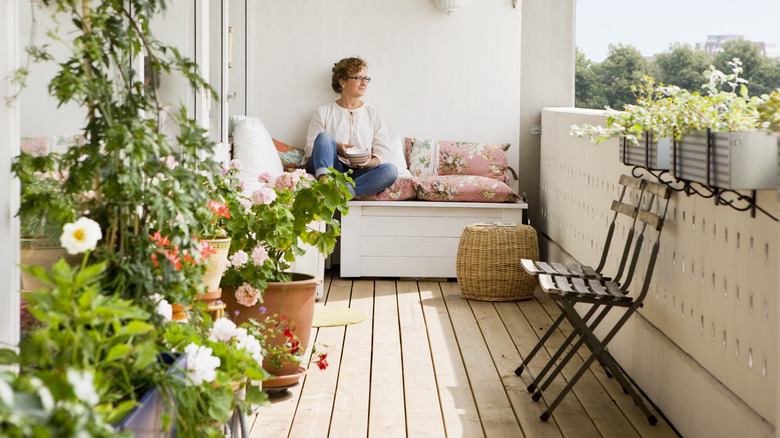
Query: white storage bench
[412, 238]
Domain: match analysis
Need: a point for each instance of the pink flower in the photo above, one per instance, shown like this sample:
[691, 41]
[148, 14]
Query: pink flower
[287, 180]
[218, 208]
[248, 296]
[259, 255]
[239, 258]
[266, 177]
[235, 164]
[263, 195]
[246, 203]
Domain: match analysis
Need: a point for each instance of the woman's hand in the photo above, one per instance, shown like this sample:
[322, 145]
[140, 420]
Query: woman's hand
[341, 149]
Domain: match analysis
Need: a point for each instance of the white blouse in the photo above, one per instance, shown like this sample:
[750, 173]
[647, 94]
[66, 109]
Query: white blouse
[363, 128]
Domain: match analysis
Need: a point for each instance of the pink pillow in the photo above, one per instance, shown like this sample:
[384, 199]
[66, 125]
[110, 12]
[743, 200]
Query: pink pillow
[401, 190]
[469, 188]
[480, 159]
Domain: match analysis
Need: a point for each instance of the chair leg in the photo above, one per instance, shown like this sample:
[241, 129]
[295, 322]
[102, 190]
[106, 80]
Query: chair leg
[580, 328]
[540, 344]
[560, 350]
[601, 345]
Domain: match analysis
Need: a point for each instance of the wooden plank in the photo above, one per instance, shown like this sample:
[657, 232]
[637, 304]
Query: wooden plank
[275, 420]
[459, 410]
[495, 410]
[446, 246]
[599, 407]
[320, 387]
[423, 413]
[386, 416]
[409, 266]
[572, 419]
[506, 358]
[350, 407]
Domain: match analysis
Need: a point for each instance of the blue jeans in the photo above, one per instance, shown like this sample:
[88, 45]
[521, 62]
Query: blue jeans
[367, 180]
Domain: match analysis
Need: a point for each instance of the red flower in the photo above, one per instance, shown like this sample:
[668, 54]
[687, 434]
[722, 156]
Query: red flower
[296, 347]
[322, 363]
[288, 333]
[206, 249]
[219, 208]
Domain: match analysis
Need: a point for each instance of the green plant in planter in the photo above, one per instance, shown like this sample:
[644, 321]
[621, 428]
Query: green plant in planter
[769, 112]
[94, 355]
[275, 219]
[121, 169]
[669, 111]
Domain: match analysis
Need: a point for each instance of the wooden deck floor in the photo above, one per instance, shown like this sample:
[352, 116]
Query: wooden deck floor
[429, 363]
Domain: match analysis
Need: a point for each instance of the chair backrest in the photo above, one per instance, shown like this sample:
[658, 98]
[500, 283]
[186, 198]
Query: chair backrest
[624, 210]
[649, 221]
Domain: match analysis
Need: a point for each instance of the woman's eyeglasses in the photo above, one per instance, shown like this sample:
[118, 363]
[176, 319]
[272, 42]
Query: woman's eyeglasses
[365, 79]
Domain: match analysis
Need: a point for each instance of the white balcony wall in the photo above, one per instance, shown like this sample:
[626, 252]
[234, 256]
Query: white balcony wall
[704, 346]
[434, 75]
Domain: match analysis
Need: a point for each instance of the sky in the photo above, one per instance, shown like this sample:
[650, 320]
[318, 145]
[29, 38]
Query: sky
[651, 26]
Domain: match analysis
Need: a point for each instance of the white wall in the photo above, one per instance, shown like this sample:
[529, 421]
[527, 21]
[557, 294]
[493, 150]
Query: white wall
[9, 198]
[448, 77]
[704, 346]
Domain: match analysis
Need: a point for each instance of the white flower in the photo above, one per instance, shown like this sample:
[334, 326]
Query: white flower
[223, 330]
[253, 347]
[201, 365]
[164, 308]
[83, 386]
[236, 164]
[80, 236]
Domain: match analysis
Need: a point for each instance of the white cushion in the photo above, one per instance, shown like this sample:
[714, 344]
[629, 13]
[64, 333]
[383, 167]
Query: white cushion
[397, 156]
[253, 146]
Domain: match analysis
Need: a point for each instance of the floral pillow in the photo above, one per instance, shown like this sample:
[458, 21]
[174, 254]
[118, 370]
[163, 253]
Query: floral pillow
[291, 157]
[402, 190]
[480, 159]
[423, 157]
[468, 188]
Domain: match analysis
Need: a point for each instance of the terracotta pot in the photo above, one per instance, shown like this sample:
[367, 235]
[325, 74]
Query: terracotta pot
[179, 312]
[295, 300]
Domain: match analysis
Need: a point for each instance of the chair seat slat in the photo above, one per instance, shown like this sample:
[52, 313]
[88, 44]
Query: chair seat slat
[614, 289]
[590, 272]
[530, 267]
[544, 266]
[599, 289]
[547, 283]
[580, 286]
[562, 270]
[564, 285]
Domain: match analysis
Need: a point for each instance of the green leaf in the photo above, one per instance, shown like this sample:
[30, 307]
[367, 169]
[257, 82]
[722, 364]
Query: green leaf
[8, 357]
[119, 351]
[256, 396]
[136, 328]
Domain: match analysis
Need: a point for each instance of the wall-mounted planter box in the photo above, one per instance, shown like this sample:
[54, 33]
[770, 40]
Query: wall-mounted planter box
[146, 420]
[648, 153]
[727, 160]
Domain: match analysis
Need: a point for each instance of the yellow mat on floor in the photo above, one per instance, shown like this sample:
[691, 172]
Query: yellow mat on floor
[332, 316]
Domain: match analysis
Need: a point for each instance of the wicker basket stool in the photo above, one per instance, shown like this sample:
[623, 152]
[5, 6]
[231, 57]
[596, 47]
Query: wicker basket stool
[488, 262]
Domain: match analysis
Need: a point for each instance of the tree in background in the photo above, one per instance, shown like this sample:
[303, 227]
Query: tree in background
[762, 73]
[588, 91]
[623, 67]
[683, 66]
[598, 85]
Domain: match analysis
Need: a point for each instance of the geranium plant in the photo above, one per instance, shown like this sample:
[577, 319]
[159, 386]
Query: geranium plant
[272, 223]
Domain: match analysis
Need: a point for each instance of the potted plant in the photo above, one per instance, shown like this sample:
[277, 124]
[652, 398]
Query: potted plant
[719, 144]
[268, 232]
[105, 352]
[644, 129]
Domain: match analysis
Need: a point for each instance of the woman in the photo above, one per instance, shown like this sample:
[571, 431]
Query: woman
[350, 123]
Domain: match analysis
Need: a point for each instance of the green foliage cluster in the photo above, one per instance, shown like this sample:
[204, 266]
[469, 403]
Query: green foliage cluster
[608, 83]
[281, 226]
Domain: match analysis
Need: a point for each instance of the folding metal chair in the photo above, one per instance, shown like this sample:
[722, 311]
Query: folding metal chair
[568, 289]
[624, 208]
